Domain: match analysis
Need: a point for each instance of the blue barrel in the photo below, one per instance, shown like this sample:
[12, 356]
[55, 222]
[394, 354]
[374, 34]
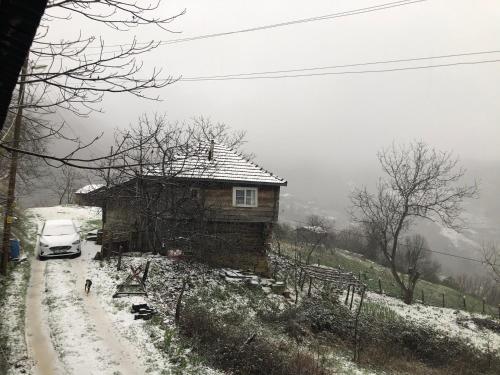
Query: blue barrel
[15, 249]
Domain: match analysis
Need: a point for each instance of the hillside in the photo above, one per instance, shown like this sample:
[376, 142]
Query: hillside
[231, 322]
[370, 273]
[324, 190]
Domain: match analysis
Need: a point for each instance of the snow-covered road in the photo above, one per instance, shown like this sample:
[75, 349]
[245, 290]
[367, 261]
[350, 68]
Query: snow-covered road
[68, 331]
[39, 345]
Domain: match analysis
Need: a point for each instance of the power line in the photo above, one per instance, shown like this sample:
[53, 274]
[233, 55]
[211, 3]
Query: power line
[337, 231]
[236, 77]
[342, 14]
[453, 255]
[276, 74]
[353, 12]
[380, 62]
[271, 74]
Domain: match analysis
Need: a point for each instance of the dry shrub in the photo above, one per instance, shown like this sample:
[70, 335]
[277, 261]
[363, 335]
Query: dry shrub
[304, 364]
[238, 349]
[388, 340]
[403, 339]
[377, 355]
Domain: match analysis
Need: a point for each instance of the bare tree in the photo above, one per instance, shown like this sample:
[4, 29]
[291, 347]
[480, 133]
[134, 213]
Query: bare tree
[313, 235]
[491, 256]
[420, 183]
[282, 232]
[415, 260]
[80, 70]
[485, 285]
[152, 169]
[64, 184]
[75, 73]
[351, 238]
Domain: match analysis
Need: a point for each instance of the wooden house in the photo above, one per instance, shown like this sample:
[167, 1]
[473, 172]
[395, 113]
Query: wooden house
[214, 204]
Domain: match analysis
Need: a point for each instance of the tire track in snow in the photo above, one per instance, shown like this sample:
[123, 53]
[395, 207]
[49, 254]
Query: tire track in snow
[39, 343]
[70, 332]
[122, 349]
[84, 339]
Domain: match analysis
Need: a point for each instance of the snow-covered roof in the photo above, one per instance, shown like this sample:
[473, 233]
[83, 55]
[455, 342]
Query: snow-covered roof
[314, 229]
[226, 164]
[88, 188]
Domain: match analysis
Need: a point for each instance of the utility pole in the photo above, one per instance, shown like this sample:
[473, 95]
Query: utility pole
[9, 204]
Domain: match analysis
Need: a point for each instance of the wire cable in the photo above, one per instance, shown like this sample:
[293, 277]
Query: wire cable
[380, 62]
[353, 12]
[187, 79]
[347, 13]
[337, 231]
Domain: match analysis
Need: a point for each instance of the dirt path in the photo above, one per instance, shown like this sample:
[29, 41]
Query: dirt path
[68, 332]
[120, 348]
[40, 347]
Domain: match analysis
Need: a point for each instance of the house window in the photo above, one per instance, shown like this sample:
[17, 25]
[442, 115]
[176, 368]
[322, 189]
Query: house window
[245, 197]
[195, 193]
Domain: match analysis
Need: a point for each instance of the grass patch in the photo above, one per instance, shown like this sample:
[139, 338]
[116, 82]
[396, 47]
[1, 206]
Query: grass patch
[382, 328]
[220, 324]
[387, 341]
[12, 341]
[182, 361]
[370, 272]
[90, 225]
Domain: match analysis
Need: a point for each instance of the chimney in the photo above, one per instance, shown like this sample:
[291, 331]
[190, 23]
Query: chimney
[211, 150]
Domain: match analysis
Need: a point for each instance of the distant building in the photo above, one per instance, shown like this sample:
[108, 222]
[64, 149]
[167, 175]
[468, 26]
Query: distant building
[214, 203]
[312, 234]
[81, 194]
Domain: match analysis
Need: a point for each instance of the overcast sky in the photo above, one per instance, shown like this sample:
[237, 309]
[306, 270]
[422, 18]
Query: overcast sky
[336, 119]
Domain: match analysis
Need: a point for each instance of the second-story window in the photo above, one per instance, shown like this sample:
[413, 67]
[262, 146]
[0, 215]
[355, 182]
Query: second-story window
[245, 197]
[195, 193]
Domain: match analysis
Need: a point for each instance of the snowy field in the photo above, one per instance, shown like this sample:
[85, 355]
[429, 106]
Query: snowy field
[97, 334]
[450, 322]
[12, 311]
[170, 273]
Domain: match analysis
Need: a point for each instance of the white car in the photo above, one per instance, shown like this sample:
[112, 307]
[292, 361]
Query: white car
[58, 238]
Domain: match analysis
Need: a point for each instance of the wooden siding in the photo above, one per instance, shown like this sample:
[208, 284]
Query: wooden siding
[217, 233]
[218, 200]
[235, 244]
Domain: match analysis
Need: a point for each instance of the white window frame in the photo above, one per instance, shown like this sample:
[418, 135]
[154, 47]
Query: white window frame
[198, 193]
[235, 188]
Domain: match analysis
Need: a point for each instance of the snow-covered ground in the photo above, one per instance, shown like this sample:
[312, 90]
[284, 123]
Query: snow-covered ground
[97, 334]
[80, 214]
[149, 336]
[12, 312]
[450, 322]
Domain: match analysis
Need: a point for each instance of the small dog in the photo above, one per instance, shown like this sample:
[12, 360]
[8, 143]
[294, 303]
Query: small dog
[88, 284]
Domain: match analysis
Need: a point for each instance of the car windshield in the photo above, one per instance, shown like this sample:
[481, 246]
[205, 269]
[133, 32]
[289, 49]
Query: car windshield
[58, 230]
